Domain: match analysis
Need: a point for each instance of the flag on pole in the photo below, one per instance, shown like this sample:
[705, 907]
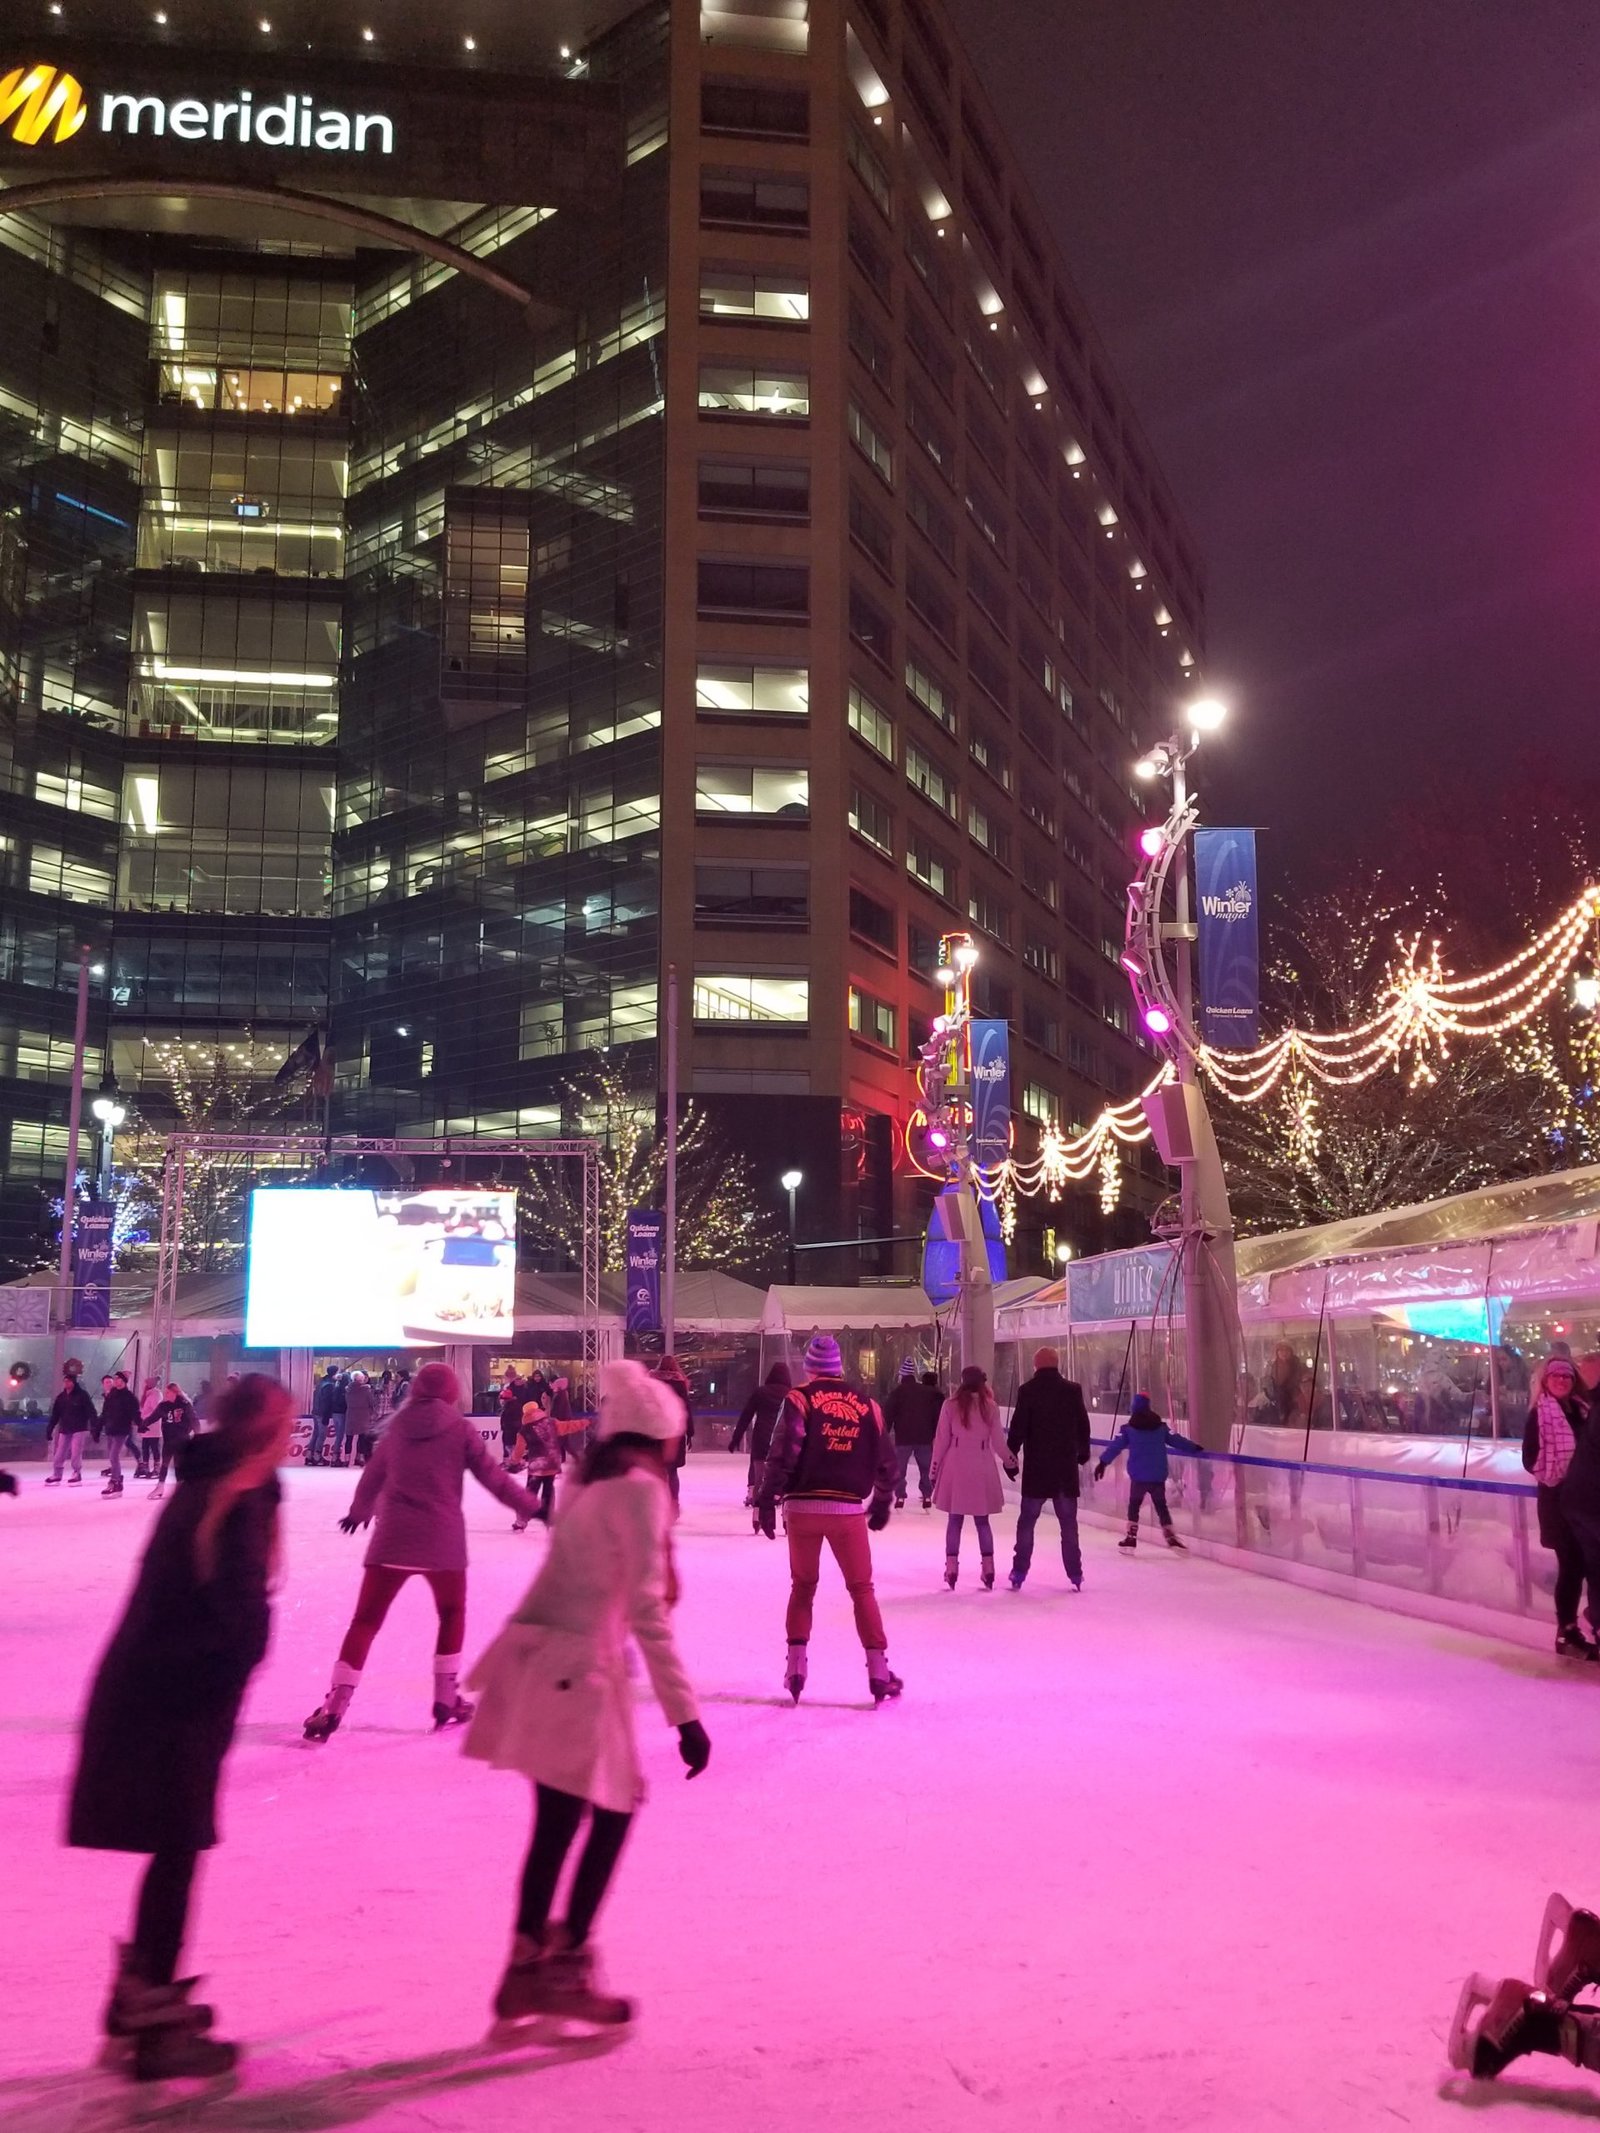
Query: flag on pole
[304, 1059]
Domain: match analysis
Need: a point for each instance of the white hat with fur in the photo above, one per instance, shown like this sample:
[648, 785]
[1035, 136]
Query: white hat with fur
[635, 1404]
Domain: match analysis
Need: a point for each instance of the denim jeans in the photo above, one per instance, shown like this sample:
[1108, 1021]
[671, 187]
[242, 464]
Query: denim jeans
[1066, 1510]
[1157, 1493]
[69, 1445]
[903, 1456]
[115, 1446]
[319, 1430]
[952, 1535]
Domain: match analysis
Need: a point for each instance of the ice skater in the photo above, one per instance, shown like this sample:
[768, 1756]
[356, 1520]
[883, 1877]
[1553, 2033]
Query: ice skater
[179, 1423]
[671, 1373]
[72, 1422]
[557, 1704]
[149, 1430]
[1498, 2020]
[1050, 1429]
[757, 1420]
[829, 1453]
[968, 1453]
[541, 1456]
[1147, 1440]
[163, 1708]
[1556, 1420]
[912, 1415]
[412, 1484]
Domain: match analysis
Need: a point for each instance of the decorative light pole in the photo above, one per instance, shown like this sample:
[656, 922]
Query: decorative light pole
[1178, 1116]
[110, 1113]
[791, 1182]
[944, 1084]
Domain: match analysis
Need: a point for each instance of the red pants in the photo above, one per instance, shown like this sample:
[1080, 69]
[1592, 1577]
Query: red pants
[847, 1536]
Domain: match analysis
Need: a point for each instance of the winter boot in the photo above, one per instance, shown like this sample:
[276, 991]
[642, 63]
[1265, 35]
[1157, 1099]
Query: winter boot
[794, 1671]
[1571, 1643]
[1497, 2021]
[168, 2034]
[882, 1682]
[568, 1989]
[1568, 1961]
[518, 1994]
[1170, 1535]
[952, 1566]
[1130, 1539]
[986, 1572]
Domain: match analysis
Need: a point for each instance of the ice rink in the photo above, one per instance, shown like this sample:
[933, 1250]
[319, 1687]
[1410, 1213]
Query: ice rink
[1190, 1849]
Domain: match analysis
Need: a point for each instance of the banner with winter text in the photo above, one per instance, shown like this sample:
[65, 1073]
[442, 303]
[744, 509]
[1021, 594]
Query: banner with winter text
[1230, 975]
[991, 1092]
[646, 1229]
[91, 1265]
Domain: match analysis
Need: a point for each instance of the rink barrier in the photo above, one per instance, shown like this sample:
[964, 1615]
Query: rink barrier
[1464, 1553]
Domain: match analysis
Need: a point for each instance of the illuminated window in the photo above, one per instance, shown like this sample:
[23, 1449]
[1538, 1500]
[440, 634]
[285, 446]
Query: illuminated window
[777, 394]
[872, 820]
[727, 690]
[484, 617]
[983, 829]
[775, 296]
[871, 442]
[926, 777]
[872, 1019]
[770, 997]
[1041, 1104]
[871, 724]
[934, 695]
[780, 790]
[927, 864]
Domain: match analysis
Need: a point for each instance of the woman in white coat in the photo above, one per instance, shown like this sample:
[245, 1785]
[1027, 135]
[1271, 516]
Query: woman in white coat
[969, 1448]
[556, 1703]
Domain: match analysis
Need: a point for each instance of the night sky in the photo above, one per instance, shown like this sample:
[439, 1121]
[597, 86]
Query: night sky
[1346, 259]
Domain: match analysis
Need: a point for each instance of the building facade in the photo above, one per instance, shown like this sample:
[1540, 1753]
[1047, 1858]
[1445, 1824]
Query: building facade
[497, 502]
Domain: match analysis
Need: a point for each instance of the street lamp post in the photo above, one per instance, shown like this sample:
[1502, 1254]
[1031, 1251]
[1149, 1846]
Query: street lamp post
[791, 1182]
[1211, 1308]
[944, 1081]
[110, 1113]
[69, 1191]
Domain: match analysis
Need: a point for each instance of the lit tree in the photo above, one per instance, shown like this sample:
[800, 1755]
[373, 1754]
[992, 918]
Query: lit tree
[721, 1223]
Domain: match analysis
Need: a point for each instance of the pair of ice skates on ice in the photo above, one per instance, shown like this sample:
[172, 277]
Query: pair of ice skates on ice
[547, 1980]
[1501, 2019]
[160, 2032]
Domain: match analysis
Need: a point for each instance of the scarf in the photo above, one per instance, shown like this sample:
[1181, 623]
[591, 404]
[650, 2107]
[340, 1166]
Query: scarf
[1556, 1442]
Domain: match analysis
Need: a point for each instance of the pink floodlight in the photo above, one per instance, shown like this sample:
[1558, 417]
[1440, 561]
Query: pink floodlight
[1157, 1021]
[1132, 965]
[1152, 842]
[938, 1138]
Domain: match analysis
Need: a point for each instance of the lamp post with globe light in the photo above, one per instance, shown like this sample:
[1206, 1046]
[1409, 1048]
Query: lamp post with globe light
[1182, 1127]
[791, 1181]
[110, 1112]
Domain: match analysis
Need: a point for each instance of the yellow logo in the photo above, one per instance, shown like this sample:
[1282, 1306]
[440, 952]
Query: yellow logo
[35, 99]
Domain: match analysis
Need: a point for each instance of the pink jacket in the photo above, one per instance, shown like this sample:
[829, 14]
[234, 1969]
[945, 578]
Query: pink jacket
[967, 1461]
[413, 1481]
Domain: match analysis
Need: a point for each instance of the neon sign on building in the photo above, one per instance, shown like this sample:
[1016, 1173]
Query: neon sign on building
[41, 105]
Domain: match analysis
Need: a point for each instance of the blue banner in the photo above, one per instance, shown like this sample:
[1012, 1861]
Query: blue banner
[941, 1255]
[991, 1092]
[1225, 899]
[1118, 1286]
[646, 1228]
[91, 1265]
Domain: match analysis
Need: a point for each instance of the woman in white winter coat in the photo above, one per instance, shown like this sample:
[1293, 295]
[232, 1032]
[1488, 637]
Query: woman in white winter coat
[969, 1449]
[555, 1697]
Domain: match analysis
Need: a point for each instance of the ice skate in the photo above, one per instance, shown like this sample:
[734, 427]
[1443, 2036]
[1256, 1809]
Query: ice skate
[112, 1488]
[124, 2008]
[517, 1995]
[322, 1723]
[952, 1570]
[1498, 2020]
[158, 1492]
[986, 1573]
[1170, 1536]
[75, 1481]
[562, 1984]
[168, 2033]
[794, 1675]
[52, 1481]
[1130, 1539]
[456, 1713]
[1571, 1643]
[883, 1683]
[1015, 1580]
[1568, 1958]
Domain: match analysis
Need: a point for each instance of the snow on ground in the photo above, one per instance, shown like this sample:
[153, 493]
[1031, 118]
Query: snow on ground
[1192, 1849]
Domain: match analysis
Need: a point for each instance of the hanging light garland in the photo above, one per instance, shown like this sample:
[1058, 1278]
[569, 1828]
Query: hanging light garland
[1421, 1010]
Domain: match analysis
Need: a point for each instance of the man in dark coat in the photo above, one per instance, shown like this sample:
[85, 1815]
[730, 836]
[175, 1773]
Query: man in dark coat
[1050, 1428]
[72, 1418]
[327, 1400]
[119, 1418]
[911, 1414]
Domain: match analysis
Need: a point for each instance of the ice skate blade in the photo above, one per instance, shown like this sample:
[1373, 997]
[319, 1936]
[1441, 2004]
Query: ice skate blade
[1552, 1927]
[1476, 1994]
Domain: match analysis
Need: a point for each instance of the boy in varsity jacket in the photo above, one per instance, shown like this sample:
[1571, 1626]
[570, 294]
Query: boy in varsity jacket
[830, 1451]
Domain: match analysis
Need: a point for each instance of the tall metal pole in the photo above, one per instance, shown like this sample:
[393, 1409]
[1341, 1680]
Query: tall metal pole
[69, 1190]
[792, 1275]
[669, 1255]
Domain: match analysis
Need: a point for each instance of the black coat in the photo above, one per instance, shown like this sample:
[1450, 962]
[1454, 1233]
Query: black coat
[1050, 1428]
[72, 1410]
[756, 1420]
[911, 1412]
[681, 1394]
[166, 1697]
[1579, 1491]
[119, 1412]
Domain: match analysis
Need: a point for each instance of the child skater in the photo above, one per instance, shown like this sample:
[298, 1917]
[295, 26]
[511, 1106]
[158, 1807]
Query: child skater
[540, 1435]
[412, 1483]
[163, 1708]
[557, 1705]
[1147, 1440]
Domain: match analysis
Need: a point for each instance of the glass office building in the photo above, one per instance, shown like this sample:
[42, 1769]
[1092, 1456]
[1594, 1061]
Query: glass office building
[497, 500]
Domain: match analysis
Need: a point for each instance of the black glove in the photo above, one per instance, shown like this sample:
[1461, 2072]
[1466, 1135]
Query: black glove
[694, 1745]
[1012, 1472]
[1100, 1470]
[8, 1484]
[353, 1524]
[878, 1516]
[767, 1518]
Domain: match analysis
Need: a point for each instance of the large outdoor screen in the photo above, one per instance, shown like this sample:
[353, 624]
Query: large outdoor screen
[332, 1268]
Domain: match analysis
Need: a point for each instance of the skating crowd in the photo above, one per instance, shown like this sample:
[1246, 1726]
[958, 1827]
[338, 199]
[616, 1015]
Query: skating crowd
[554, 1698]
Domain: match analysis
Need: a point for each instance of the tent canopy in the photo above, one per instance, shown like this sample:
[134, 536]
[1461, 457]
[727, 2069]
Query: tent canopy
[825, 1310]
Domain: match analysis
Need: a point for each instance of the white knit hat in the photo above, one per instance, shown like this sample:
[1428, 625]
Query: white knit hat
[635, 1404]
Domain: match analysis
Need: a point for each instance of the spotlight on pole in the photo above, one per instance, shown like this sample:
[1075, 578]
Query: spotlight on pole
[1152, 842]
[1147, 767]
[1157, 1021]
[1206, 714]
[966, 954]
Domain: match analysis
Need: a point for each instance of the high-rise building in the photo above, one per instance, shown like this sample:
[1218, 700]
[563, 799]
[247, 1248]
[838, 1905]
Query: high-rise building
[497, 500]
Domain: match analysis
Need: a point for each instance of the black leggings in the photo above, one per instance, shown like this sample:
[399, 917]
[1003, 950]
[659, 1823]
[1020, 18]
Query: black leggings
[162, 1915]
[555, 1824]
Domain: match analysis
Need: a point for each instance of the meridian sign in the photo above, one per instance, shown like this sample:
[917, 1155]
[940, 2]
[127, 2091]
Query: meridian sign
[43, 105]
